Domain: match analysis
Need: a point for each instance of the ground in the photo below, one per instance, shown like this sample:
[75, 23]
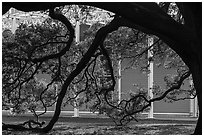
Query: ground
[93, 125]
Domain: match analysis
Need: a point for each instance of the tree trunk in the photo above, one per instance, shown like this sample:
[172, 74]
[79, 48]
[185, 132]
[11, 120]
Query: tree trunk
[57, 110]
[98, 40]
[197, 80]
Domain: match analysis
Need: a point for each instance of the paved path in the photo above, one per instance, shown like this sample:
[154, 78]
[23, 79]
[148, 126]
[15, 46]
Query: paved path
[87, 115]
[173, 117]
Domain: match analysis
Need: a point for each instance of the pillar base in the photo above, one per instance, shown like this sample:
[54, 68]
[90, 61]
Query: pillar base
[150, 117]
[75, 116]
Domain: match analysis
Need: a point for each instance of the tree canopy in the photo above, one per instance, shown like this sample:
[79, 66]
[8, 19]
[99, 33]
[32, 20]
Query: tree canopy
[181, 32]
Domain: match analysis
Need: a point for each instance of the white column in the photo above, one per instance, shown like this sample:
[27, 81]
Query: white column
[119, 81]
[76, 108]
[192, 107]
[14, 25]
[196, 107]
[191, 100]
[150, 77]
[56, 93]
[193, 103]
[77, 34]
[77, 31]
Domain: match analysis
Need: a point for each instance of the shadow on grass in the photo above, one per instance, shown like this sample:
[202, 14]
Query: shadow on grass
[105, 126]
[77, 129]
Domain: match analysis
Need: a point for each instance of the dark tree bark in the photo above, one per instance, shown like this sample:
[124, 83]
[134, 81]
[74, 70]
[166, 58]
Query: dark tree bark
[99, 38]
[185, 39]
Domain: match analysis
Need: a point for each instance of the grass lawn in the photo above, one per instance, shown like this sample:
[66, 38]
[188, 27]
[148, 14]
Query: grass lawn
[104, 126]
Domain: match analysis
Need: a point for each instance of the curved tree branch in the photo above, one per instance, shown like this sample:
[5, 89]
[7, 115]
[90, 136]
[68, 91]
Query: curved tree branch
[177, 85]
[65, 21]
[99, 38]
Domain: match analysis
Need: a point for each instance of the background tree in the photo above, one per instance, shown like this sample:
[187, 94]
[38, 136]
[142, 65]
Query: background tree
[35, 41]
[131, 46]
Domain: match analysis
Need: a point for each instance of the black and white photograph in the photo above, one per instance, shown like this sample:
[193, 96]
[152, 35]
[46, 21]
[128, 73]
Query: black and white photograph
[101, 68]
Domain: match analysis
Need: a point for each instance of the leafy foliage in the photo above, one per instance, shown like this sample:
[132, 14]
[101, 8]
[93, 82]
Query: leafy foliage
[28, 42]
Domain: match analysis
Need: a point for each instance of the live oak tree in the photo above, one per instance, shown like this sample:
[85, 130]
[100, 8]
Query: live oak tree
[122, 44]
[131, 47]
[20, 89]
[183, 37]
